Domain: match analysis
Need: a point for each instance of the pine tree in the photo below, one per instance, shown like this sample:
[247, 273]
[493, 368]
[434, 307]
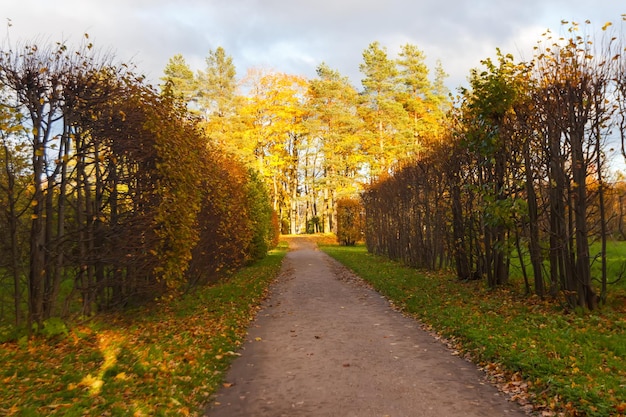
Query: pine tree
[381, 111]
[179, 77]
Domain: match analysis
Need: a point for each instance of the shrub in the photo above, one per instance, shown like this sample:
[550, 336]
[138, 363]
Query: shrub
[350, 221]
[261, 216]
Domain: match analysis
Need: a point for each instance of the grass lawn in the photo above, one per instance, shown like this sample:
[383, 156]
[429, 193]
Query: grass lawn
[166, 359]
[573, 364]
[616, 264]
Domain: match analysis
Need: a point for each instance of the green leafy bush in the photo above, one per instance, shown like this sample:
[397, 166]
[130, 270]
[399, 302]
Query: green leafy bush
[261, 215]
[54, 327]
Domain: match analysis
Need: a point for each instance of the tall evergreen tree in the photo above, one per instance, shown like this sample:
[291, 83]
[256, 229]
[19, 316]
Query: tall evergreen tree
[415, 89]
[217, 84]
[179, 78]
[381, 111]
[218, 100]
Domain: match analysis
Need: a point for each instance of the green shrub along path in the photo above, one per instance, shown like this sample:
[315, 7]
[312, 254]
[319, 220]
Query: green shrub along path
[555, 362]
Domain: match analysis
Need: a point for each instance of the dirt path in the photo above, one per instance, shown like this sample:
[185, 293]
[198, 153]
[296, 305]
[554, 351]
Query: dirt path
[324, 345]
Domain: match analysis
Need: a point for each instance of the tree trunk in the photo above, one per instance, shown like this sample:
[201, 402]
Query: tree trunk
[586, 294]
[603, 223]
[37, 240]
[458, 229]
[13, 221]
[534, 243]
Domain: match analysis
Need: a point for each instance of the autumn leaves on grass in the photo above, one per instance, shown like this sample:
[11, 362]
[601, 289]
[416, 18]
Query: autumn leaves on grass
[166, 359]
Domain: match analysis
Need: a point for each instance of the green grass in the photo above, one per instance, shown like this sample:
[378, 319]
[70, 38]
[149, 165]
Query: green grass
[160, 360]
[616, 265]
[561, 363]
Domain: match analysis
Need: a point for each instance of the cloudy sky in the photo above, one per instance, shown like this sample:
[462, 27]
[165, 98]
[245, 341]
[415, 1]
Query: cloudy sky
[295, 36]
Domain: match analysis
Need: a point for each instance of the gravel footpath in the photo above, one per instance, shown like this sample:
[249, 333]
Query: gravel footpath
[324, 344]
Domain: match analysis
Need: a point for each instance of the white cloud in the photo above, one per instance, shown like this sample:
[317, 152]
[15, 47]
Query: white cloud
[295, 36]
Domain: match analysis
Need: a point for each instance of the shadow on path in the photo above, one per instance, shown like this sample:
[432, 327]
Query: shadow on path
[325, 345]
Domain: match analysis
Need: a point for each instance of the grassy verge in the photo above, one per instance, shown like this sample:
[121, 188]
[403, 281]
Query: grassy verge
[552, 362]
[166, 359]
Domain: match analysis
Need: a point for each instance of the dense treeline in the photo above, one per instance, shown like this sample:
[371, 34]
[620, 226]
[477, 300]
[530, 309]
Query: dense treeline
[521, 176]
[317, 141]
[110, 193]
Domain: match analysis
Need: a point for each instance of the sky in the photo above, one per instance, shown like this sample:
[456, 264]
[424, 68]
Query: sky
[295, 36]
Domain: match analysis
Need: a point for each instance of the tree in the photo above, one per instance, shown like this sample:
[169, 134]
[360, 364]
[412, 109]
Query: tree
[111, 184]
[383, 115]
[37, 78]
[217, 84]
[333, 102]
[487, 114]
[179, 78]
[574, 82]
[416, 89]
[273, 136]
[14, 202]
[218, 100]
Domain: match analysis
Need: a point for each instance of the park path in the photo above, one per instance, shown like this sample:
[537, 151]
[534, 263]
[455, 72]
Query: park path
[326, 345]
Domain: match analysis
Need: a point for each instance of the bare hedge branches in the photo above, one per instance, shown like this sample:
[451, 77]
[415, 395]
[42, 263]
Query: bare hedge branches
[109, 185]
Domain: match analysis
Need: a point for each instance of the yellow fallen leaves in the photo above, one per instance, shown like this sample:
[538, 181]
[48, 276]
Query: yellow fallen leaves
[121, 376]
[229, 353]
[168, 359]
[94, 384]
[8, 379]
[109, 343]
